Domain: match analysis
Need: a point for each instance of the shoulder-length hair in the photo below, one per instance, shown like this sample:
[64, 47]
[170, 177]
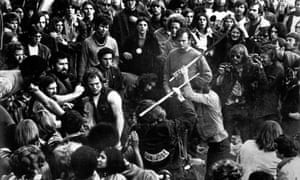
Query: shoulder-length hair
[115, 161]
[27, 133]
[195, 22]
[242, 36]
[266, 137]
[242, 50]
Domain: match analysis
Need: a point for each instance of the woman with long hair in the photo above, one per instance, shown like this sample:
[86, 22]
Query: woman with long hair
[259, 154]
[202, 35]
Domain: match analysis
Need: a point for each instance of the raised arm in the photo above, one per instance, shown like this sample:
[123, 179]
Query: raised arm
[49, 103]
[60, 99]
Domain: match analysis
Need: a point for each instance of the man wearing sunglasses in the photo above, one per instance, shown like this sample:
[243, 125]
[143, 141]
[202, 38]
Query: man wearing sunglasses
[236, 84]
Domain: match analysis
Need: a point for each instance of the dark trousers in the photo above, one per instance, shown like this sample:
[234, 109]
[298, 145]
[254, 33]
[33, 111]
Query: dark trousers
[237, 120]
[216, 151]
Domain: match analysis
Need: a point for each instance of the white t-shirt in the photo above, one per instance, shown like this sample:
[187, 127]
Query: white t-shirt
[33, 50]
[253, 159]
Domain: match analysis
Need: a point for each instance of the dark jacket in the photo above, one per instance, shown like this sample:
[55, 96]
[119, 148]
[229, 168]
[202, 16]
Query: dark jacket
[159, 141]
[122, 27]
[267, 100]
[144, 62]
[43, 51]
[251, 77]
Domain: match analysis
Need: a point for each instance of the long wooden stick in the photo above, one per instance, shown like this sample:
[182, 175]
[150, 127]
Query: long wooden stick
[166, 97]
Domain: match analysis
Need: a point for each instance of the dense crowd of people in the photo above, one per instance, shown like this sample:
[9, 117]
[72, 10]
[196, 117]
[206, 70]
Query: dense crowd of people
[150, 89]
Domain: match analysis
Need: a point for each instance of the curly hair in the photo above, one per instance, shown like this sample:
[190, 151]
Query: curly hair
[27, 161]
[227, 169]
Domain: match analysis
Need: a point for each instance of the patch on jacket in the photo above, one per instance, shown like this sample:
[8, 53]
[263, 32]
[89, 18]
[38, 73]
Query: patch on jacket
[158, 157]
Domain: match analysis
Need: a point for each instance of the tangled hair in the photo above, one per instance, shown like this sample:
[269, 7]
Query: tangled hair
[241, 49]
[155, 115]
[27, 133]
[287, 146]
[84, 162]
[27, 161]
[227, 170]
[176, 18]
[266, 136]
[103, 135]
[115, 161]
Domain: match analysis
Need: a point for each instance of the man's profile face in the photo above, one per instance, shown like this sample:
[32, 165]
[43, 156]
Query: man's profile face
[62, 66]
[94, 85]
[51, 89]
[291, 43]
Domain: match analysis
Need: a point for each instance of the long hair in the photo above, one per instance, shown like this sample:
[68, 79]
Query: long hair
[266, 137]
[195, 22]
[242, 36]
[115, 161]
[242, 49]
[26, 133]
